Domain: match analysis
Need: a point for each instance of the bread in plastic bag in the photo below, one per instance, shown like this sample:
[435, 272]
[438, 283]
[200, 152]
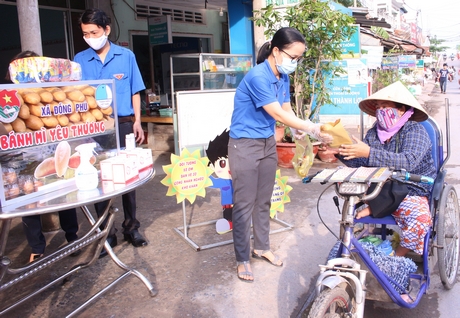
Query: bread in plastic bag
[303, 157]
[339, 134]
[39, 69]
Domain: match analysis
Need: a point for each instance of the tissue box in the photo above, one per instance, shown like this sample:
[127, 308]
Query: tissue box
[143, 157]
[120, 169]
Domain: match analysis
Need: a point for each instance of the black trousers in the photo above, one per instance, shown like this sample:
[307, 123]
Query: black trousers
[33, 229]
[128, 199]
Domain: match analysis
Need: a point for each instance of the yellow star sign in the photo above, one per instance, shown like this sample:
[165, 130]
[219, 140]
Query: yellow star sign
[280, 194]
[187, 176]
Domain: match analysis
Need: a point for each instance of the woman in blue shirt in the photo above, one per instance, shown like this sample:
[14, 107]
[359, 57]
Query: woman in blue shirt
[261, 99]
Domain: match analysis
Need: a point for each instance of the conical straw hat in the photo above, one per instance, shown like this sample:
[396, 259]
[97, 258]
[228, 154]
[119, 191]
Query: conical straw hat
[397, 93]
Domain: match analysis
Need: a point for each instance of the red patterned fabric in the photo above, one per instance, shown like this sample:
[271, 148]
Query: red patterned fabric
[414, 219]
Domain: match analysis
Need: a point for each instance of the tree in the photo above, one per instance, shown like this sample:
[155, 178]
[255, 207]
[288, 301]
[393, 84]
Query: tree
[324, 30]
[349, 3]
[435, 45]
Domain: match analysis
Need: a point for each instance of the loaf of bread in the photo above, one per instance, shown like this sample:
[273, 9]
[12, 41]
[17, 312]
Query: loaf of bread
[52, 106]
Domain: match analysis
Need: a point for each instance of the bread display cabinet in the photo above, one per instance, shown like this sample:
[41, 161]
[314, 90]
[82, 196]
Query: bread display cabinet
[207, 76]
[42, 125]
[206, 71]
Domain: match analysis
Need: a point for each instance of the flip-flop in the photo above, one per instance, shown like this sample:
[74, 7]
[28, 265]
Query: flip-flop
[246, 272]
[261, 256]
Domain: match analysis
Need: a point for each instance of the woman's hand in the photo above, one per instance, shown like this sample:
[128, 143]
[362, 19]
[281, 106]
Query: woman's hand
[357, 150]
[314, 130]
[297, 134]
[335, 151]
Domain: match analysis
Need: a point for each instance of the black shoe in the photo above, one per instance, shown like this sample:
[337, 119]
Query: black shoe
[112, 240]
[76, 253]
[135, 238]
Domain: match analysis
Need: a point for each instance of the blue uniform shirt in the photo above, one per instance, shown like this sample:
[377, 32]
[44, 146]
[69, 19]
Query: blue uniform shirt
[120, 64]
[258, 88]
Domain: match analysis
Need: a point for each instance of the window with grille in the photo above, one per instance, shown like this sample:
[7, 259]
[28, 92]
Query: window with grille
[277, 3]
[145, 9]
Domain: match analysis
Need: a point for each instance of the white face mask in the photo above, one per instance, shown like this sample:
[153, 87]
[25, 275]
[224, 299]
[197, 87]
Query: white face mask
[96, 43]
[287, 66]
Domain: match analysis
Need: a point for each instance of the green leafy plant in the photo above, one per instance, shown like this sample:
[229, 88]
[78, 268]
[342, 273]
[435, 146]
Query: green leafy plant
[324, 30]
[382, 78]
[435, 45]
[380, 32]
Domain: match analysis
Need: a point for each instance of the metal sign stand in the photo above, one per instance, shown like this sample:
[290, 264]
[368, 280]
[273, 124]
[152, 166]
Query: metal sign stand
[183, 231]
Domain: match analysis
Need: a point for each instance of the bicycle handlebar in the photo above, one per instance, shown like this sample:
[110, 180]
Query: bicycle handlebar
[407, 176]
[401, 175]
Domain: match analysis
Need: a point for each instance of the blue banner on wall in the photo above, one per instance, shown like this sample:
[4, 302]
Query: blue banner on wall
[351, 48]
[407, 61]
[347, 90]
[390, 63]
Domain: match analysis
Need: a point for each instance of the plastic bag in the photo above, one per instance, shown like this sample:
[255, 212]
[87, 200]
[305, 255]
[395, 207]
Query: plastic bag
[39, 69]
[303, 157]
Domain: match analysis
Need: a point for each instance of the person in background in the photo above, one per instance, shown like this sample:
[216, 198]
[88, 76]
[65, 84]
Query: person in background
[261, 99]
[458, 73]
[32, 224]
[443, 75]
[105, 60]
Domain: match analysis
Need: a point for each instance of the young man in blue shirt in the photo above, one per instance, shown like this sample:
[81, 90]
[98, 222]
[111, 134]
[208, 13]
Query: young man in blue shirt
[105, 60]
[442, 78]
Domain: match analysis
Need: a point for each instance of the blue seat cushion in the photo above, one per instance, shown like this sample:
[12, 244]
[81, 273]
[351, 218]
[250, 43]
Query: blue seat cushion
[389, 219]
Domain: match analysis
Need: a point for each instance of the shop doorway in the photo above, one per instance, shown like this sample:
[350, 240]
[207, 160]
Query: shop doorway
[161, 53]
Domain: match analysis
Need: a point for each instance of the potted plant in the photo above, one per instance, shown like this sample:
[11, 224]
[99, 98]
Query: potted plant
[324, 30]
[285, 146]
[279, 131]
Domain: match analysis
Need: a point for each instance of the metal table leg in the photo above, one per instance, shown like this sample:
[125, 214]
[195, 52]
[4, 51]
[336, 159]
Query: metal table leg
[93, 235]
[108, 248]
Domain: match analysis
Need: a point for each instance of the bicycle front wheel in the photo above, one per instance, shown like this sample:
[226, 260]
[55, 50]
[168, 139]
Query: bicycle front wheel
[334, 302]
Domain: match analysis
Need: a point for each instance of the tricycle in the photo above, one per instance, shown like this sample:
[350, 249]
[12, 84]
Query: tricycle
[355, 271]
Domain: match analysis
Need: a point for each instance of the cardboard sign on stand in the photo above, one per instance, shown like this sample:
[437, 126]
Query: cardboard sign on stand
[201, 116]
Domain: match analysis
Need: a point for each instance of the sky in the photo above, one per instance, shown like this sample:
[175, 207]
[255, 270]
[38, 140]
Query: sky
[437, 17]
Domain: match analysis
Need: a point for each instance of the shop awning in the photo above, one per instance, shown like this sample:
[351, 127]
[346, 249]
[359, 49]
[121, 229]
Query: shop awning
[409, 48]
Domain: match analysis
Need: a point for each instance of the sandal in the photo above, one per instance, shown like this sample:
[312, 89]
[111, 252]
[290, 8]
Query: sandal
[275, 260]
[34, 257]
[245, 273]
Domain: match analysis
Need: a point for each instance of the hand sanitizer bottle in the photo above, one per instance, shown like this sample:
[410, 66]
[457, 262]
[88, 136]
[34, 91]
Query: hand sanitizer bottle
[86, 176]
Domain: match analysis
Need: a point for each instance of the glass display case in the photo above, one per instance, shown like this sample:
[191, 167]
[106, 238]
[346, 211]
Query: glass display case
[41, 124]
[208, 77]
[206, 71]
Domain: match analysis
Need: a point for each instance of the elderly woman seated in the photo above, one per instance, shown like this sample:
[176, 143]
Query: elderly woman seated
[397, 140]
